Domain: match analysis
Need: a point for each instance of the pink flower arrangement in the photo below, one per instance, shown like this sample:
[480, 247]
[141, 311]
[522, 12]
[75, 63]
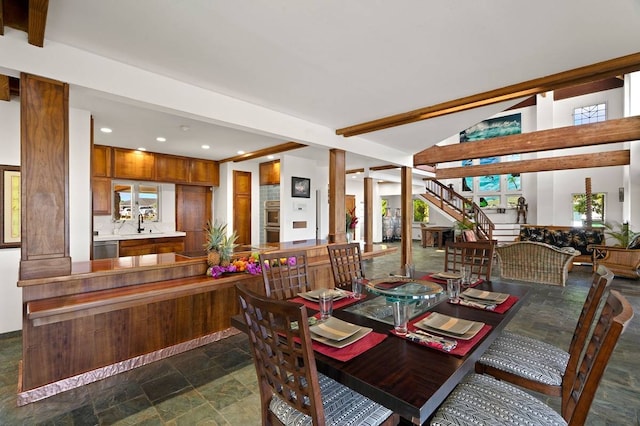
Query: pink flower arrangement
[352, 219]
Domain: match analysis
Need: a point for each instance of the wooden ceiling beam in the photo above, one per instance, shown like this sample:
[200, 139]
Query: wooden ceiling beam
[37, 21]
[598, 71]
[5, 93]
[276, 149]
[1, 17]
[579, 161]
[610, 131]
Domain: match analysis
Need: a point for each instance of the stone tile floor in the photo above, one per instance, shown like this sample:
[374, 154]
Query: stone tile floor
[216, 384]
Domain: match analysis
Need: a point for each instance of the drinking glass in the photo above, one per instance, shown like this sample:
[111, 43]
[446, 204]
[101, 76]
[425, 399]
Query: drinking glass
[400, 317]
[453, 289]
[356, 287]
[326, 305]
[465, 271]
[410, 270]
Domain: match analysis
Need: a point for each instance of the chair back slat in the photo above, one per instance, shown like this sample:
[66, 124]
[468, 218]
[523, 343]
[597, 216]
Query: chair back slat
[282, 353]
[476, 255]
[286, 274]
[609, 325]
[346, 263]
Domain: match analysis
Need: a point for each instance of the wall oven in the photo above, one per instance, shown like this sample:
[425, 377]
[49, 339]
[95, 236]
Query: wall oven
[272, 221]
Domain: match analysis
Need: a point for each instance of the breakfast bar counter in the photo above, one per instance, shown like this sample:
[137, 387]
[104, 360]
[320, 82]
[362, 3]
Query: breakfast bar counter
[112, 315]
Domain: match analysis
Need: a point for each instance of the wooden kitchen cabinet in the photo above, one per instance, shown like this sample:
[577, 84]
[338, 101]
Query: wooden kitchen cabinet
[133, 164]
[270, 173]
[205, 172]
[141, 246]
[171, 168]
[101, 161]
[101, 196]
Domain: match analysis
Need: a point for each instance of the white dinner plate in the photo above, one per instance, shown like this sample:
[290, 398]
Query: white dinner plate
[488, 296]
[334, 329]
[314, 295]
[344, 342]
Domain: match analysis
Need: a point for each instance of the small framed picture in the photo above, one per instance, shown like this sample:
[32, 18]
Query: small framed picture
[300, 187]
[10, 212]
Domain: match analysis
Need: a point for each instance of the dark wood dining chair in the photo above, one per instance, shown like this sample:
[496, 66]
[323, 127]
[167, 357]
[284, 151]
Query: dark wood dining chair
[286, 274]
[477, 255]
[537, 365]
[346, 263]
[482, 399]
[291, 389]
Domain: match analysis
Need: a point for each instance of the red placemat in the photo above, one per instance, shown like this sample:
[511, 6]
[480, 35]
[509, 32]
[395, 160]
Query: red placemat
[353, 350]
[463, 347]
[337, 304]
[500, 309]
[430, 277]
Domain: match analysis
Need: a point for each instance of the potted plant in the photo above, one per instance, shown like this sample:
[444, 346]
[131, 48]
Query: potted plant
[621, 232]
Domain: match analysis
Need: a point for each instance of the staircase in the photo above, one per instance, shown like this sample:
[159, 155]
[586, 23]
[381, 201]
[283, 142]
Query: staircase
[459, 208]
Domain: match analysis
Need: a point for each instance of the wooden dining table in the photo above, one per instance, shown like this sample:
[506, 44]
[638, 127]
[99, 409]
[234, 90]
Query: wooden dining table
[406, 377]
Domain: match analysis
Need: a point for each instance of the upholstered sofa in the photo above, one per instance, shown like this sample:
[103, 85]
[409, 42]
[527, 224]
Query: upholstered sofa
[565, 236]
[535, 262]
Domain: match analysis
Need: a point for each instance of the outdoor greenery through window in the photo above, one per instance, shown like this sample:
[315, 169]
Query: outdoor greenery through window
[420, 211]
[580, 209]
[590, 114]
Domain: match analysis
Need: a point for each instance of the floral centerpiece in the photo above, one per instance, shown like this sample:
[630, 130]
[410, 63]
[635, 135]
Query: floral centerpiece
[352, 220]
[250, 265]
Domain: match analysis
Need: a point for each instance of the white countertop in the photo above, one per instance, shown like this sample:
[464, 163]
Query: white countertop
[135, 236]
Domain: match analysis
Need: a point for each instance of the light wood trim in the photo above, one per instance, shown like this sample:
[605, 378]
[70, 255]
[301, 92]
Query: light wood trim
[5, 94]
[580, 161]
[589, 73]
[611, 131]
[287, 146]
[37, 21]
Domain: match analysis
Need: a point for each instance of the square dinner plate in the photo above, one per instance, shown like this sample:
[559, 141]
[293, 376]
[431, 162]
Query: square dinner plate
[314, 295]
[447, 275]
[446, 323]
[488, 296]
[470, 334]
[334, 329]
[344, 342]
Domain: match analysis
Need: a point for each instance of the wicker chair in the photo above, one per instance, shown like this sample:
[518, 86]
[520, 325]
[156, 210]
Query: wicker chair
[480, 399]
[346, 263]
[476, 255]
[291, 389]
[286, 275]
[537, 365]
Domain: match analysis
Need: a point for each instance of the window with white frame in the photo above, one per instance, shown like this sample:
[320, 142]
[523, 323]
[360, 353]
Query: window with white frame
[590, 114]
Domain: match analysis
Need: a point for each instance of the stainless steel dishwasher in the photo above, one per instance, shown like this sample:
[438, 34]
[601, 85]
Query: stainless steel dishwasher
[105, 249]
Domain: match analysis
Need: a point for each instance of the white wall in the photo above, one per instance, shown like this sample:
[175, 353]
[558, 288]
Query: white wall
[79, 203]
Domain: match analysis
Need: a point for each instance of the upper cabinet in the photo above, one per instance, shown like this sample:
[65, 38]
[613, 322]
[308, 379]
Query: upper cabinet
[170, 168]
[101, 161]
[270, 173]
[205, 172]
[133, 164]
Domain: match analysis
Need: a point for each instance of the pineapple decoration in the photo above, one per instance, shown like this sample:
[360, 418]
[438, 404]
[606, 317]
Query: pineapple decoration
[219, 247]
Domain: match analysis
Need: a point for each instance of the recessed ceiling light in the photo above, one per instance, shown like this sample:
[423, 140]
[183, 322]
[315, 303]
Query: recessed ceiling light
[185, 128]
[205, 147]
[161, 139]
[270, 157]
[105, 130]
[142, 148]
[240, 152]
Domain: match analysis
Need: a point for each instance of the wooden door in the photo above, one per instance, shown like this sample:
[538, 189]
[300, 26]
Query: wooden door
[242, 206]
[193, 210]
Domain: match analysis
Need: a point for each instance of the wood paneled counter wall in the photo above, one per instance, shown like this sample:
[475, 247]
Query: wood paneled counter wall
[112, 315]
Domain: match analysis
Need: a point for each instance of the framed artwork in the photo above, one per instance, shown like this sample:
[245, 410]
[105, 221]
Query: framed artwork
[300, 187]
[10, 212]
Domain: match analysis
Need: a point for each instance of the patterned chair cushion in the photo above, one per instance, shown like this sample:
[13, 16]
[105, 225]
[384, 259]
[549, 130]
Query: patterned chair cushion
[342, 406]
[527, 357]
[482, 400]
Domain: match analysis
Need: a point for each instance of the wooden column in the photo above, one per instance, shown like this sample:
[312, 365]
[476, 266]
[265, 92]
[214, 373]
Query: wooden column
[368, 214]
[337, 213]
[44, 139]
[406, 202]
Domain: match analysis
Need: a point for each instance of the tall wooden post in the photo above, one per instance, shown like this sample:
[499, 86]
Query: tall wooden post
[368, 214]
[44, 145]
[337, 213]
[406, 201]
[589, 203]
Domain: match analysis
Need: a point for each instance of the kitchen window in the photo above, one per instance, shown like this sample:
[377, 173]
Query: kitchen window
[131, 199]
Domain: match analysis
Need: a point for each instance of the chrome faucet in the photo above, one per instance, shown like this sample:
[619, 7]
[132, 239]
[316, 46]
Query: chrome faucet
[140, 222]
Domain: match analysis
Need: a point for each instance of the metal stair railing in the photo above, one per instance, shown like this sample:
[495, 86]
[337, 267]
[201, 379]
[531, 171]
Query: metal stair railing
[458, 207]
